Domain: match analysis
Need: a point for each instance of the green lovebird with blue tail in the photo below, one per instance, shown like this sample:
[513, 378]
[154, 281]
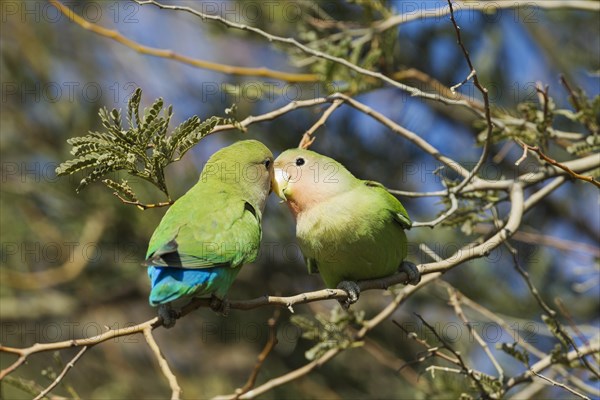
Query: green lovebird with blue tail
[348, 229]
[212, 230]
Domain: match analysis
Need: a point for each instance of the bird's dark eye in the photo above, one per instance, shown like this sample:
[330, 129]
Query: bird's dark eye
[299, 161]
[267, 163]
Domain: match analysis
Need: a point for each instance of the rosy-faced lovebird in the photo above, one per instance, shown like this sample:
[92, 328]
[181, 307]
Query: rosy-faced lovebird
[212, 230]
[348, 229]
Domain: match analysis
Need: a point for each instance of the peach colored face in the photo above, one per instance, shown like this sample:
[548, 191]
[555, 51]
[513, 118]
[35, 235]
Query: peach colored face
[303, 179]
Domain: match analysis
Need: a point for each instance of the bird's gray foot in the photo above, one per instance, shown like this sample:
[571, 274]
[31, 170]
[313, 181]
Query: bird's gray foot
[168, 315]
[353, 291]
[411, 270]
[220, 306]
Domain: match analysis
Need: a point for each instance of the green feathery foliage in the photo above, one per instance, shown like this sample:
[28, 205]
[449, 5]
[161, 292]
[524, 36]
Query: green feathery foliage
[143, 149]
[329, 332]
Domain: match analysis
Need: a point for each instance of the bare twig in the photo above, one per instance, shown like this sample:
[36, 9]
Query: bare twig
[410, 136]
[288, 302]
[474, 375]
[567, 314]
[269, 346]
[431, 351]
[455, 302]
[489, 7]
[549, 311]
[64, 372]
[367, 327]
[144, 206]
[445, 215]
[469, 252]
[574, 97]
[555, 163]
[308, 138]
[545, 240]
[555, 383]
[162, 363]
[313, 52]
[486, 104]
[548, 361]
[170, 54]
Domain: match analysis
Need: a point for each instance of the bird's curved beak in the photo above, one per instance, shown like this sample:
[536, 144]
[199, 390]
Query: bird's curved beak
[280, 182]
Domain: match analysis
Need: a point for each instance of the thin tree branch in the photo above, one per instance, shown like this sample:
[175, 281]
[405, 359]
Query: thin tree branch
[316, 53]
[549, 311]
[269, 346]
[469, 252]
[548, 361]
[143, 206]
[170, 54]
[545, 240]
[561, 385]
[64, 372]
[308, 138]
[555, 163]
[432, 351]
[584, 164]
[455, 302]
[367, 327]
[410, 136]
[474, 375]
[162, 363]
[486, 103]
[445, 215]
[489, 7]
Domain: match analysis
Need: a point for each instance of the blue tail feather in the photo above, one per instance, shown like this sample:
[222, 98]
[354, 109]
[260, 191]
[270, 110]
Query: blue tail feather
[170, 284]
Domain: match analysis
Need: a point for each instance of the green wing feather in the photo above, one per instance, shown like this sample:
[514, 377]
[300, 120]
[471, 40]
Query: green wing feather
[206, 229]
[396, 208]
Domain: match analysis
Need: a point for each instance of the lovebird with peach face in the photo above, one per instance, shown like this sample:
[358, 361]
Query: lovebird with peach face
[212, 230]
[348, 229]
